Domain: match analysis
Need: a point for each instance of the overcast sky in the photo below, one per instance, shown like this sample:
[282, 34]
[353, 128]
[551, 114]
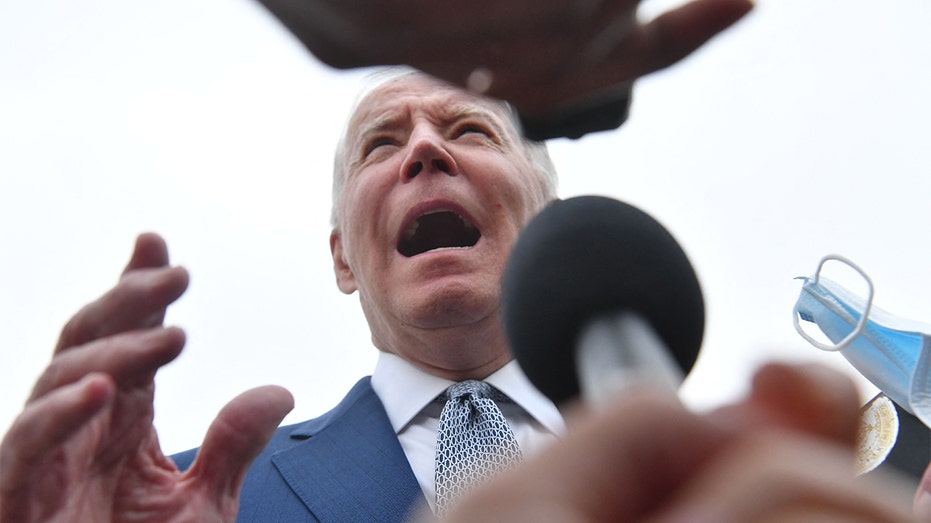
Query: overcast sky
[802, 131]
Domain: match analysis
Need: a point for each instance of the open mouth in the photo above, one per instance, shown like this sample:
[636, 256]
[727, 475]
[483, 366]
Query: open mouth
[439, 229]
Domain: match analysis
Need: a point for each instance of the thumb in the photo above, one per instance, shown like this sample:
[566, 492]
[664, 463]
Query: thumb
[237, 435]
[811, 399]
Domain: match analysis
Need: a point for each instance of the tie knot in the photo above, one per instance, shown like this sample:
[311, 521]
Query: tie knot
[474, 388]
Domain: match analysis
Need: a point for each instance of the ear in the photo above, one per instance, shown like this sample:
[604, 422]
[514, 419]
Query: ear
[345, 279]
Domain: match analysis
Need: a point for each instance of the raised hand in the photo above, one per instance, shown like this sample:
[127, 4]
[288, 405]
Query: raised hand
[537, 55]
[84, 447]
[785, 453]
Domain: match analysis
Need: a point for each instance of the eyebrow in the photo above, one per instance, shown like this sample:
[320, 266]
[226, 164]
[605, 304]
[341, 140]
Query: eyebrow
[386, 121]
[453, 112]
[462, 111]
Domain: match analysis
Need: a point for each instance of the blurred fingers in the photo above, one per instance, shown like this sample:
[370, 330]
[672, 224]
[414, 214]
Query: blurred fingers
[138, 301]
[812, 399]
[617, 465]
[775, 477]
[149, 251]
[675, 34]
[809, 398]
[47, 423]
[129, 357]
[146, 287]
[614, 52]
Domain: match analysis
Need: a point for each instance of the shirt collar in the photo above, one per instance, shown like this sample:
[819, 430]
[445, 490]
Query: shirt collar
[405, 390]
[511, 380]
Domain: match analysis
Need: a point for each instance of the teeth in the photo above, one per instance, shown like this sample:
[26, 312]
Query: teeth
[411, 230]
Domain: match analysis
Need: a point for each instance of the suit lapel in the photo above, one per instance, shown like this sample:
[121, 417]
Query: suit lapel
[351, 466]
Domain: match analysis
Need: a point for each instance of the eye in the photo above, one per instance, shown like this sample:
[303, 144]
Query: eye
[378, 142]
[466, 128]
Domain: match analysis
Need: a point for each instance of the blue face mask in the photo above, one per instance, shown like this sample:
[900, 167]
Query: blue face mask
[893, 353]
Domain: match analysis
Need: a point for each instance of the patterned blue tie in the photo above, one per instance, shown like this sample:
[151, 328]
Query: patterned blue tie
[473, 442]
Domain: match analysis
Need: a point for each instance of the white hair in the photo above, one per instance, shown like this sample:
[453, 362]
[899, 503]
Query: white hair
[536, 152]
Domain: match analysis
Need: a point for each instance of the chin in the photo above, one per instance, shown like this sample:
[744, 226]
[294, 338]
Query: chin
[454, 307]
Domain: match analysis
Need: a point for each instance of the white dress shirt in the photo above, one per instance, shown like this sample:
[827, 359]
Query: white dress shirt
[407, 393]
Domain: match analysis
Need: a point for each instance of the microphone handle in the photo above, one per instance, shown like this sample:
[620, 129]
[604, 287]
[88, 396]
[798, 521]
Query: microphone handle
[621, 350]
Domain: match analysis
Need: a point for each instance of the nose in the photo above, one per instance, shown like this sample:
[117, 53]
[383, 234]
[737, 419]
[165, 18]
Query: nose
[427, 153]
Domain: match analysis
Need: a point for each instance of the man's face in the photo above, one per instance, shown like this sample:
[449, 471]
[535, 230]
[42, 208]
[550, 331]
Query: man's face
[438, 187]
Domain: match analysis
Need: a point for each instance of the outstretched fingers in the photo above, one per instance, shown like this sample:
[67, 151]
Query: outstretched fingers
[237, 435]
[130, 358]
[139, 300]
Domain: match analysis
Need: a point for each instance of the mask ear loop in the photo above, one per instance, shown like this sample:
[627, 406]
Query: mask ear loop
[861, 325]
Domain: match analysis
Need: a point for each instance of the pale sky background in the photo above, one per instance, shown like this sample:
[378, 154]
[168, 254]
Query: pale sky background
[802, 131]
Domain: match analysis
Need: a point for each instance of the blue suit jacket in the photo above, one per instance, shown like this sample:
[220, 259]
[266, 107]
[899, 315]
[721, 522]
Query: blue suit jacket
[344, 466]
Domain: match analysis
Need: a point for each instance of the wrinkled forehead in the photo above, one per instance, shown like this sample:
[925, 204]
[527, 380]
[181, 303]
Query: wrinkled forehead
[399, 99]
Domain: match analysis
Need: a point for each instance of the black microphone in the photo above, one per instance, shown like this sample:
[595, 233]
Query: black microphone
[596, 281]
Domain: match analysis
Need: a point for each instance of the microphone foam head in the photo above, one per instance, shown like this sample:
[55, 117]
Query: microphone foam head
[582, 258]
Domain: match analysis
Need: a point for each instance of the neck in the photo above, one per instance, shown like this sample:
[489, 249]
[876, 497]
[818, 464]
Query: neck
[453, 353]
